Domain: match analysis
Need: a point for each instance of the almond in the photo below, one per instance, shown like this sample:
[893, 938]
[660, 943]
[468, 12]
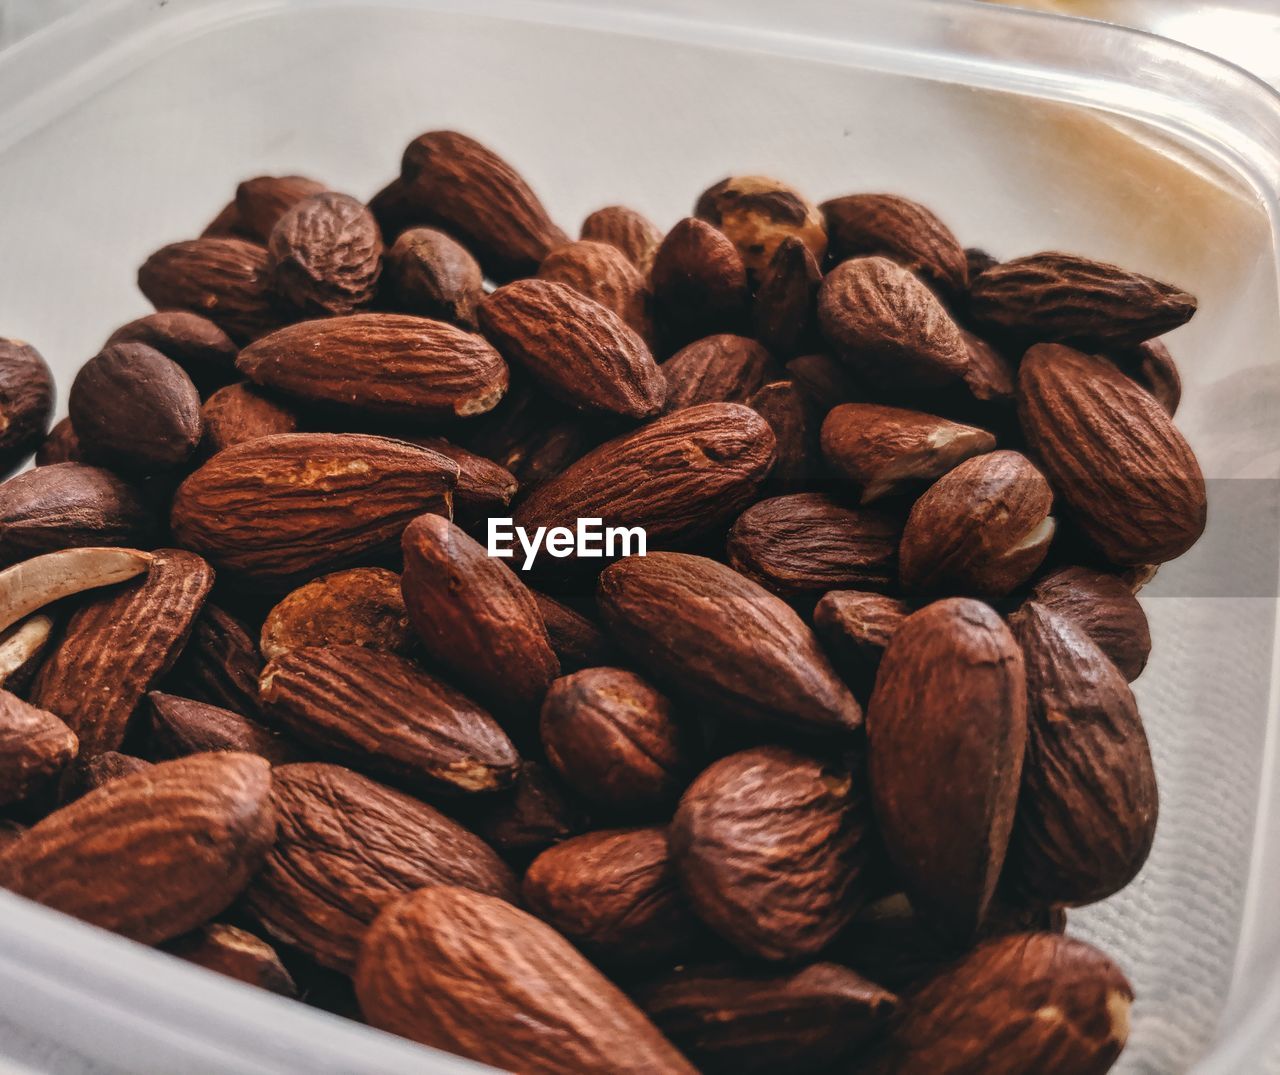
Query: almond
[888, 450]
[529, 435]
[325, 255]
[346, 847]
[678, 476]
[33, 584]
[471, 192]
[722, 640]
[260, 202]
[238, 954]
[1104, 607]
[824, 382]
[484, 487]
[795, 431]
[717, 369]
[990, 377]
[1062, 298]
[182, 726]
[26, 401]
[631, 232]
[581, 352]
[60, 446]
[504, 990]
[358, 607]
[220, 664]
[387, 715]
[106, 767]
[1131, 481]
[855, 628]
[21, 647]
[602, 272]
[770, 847]
[382, 364]
[228, 224]
[757, 213]
[239, 413]
[614, 894]
[151, 855]
[297, 503]
[34, 746]
[395, 210]
[1087, 815]
[613, 738]
[1153, 367]
[888, 326]
[699, 284]
[577, 641]
[428, 274]
[534, 814]
[950, 697]
[475, 617]
[785, 309]
[195, 343]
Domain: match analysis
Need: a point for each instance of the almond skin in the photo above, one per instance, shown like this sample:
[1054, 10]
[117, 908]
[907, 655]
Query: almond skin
[385, 714]
[1153, 367]
[182, 726]
[1062, 298]
[905, 232]
[855, 628]
[770, 846]
[577, 641]
[325, 255]
[631, 232]
[26, 401]
[238, 954]
[60, 446]
[220, 664]
[679, 476]
[241, 412]
[103, 768]
[536, 813]
[612, 737]
[428, 274]
[279, 507]
[1104, 607]
[504, 989]
[382, 364]
[346, 847]
[888, 326]
[484, 487]
[614, 894]
[1112, 454]
[950, 696]
[471, 192]
[699, 284]
[34, 746]
[475, 617]
[260, 202]
[722, 640]
[806, 543]
[785, 309]
[580, 351]
[529, 435]
[887, 450]
[602, 272]
[795, 431]
[195, 343]
[824, 382]
[757, 213]
[359, 607]
[1087, 815]
[983, 528]
[151, 855]
[1030, 1002]
[717, 369]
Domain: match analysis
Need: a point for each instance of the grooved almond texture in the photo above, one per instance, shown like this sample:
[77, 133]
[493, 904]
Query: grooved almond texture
[1112, 453]
[503, 989]
[117, 645]
[359, 607]
[264, 199]
[855, 628]
[717, 369]
[484, 487]
[182, 726]
[602, 272]
[346, 847]
[699, 284]
[236, 953]
[785, 310]
[34, 745]
[325, 255]
[240, 412]
[154, 854]
[631, 232]
[221, 662]
[795, 431]
[301, 502]
[428, 274]
[577, 641]
[720, 639]
[1103, 606]
[392, 364]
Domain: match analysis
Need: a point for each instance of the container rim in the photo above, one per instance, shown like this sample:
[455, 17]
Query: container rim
[1200, 101]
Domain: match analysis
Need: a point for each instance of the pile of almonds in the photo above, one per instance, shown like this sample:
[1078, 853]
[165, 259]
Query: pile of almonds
[806, 788]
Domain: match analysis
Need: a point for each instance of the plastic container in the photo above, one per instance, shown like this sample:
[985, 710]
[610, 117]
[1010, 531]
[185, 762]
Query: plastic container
[127, 126]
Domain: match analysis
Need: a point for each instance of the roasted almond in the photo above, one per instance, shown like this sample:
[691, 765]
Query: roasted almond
[1104, 607]
[785, 309]
[21, 649]
[631, 232]
[484, 487]
[34, 746]
[264, 199]
[757, 213]
[106, 767]
[151, 855]
[392, 364]
[699, 284]
[990, 377]
[855, 628]
[717, 369]
[720, 639]
[182, 726]
[529, 435]
[195, 343]
[534, 814]
[429, 274]
[1153, 367]
[577, 641]
[26, 401]
[220, 663]
[602, 272]
[60, 446]
[325, 255]
[795, 425]
[31, 585]
[358, 607]
[241, 412]
[278, 507]
[770, 847]
[238, 954]
[504, 990]
[1112, 454]
[824, 382]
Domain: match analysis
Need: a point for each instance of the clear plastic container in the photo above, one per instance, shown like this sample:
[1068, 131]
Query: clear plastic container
[127, 125]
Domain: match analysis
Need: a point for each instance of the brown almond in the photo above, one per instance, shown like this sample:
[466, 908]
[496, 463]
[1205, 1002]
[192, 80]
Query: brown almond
[221, 663]
[905, 232]
[475, 617]
[679, 476]
[70, 505]
[529, 435]
[1153, 367]
[382, 364]
[1087, 814]
[855, 628]
[631, 232]
[31, 585]
[26, 402]
[228, 224]
[577, 641]
[717, 369]
[720, 639]
[346, 847]
[990, 377]
[982, 529]
[806, 543]
[795, 426]
[195, 343]
[60, 446]
[135, 410]
[1104, 607]
[950, 697]
[225, 280]
[581, 352]
[888, 326]
[613, 738]
[534, 814]
[110, 765]
[888, 450]
[325, 255]
[602, 272]
[395, 210]
[298, 503]
[1062, 298]
[770, 846]
[504, 989]
[358, 607]
[614, 894]
[34, 746]
[484, 487]
[383, 713]
[182, 726]
[824, 382]
[978, 260]
[239, 413]
[757, 213]
[471, 192]
[151, 855]
[740, 1018]
[429, 274]
[699, 284]
[785, 309]
[1029, 1002]
[116, 647]
[1112, 454]
[238, 954]
[261, 201]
